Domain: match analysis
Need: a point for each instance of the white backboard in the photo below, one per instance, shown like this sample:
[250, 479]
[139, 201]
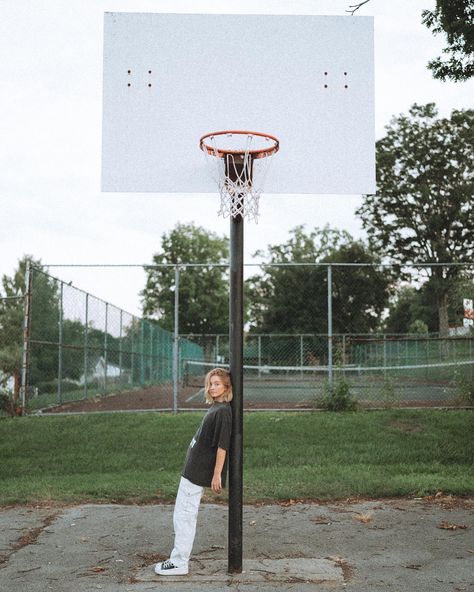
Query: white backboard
[170, 78]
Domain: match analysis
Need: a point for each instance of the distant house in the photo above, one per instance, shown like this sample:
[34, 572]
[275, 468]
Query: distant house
[103, 371]
[459, 331]
[6, 382]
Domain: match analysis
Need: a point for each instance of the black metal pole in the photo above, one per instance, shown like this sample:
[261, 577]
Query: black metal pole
[236, 337]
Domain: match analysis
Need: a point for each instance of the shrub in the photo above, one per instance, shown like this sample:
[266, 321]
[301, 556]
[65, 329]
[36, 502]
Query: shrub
[387, 393]
[9, 406]
[337, 397]
[51, 386]
[466, 389]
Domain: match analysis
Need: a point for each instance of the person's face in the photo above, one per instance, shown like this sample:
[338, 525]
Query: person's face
[217, 388]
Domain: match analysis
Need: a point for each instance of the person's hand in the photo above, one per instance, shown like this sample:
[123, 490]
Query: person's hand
[216, 484]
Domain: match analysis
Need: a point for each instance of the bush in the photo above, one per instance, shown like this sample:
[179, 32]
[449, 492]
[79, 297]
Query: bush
[51, 386]
[466, 389]
[337, 397]
[387, 393]
[8, 406]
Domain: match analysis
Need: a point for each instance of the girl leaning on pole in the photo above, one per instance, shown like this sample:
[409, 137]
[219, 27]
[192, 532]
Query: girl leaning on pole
[205, 466]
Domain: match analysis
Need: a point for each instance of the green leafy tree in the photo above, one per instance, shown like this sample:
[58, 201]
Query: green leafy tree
[44, 327]
[203, 291]
[293, 299]
[360, 293]
[423, 209]
[44, 322]
[11, 341]
[73, 359]
[408, 307]
[418, 327]
[412, 306]
[454, 18]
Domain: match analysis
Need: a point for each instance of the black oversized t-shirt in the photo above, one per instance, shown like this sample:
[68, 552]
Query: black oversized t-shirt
[213, 433]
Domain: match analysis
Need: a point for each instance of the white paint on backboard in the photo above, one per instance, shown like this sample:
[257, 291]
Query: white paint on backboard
[170, 78]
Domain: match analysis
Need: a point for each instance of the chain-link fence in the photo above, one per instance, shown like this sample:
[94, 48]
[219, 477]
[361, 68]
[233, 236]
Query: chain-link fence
[80, 347]
[379, 369]
[310, 330]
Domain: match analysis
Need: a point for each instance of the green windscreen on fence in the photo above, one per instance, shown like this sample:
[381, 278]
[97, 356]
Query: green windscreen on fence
[296, 346]
[81, 347]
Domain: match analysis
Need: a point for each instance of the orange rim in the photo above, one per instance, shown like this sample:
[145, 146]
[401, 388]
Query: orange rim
[257, 153]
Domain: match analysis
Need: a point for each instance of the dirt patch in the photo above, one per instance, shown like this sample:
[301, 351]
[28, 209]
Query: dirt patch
[157, 398]
[29, 537]
[347, 570]
[145, 559]
[151, 398]
[403, 426]
[160, 398]
[449, 502]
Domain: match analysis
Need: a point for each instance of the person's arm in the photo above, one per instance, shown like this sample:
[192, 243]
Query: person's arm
[216, 483]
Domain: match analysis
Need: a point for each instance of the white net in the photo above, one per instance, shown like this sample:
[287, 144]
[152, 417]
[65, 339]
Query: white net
[239, 173]
[411, 385]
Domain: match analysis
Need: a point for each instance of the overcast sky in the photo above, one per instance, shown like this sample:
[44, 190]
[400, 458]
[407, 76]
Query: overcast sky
[50, 130]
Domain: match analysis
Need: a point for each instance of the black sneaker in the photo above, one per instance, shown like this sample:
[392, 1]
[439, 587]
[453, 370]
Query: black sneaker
[168, 568]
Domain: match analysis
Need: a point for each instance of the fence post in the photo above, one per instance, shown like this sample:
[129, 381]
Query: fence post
[26, 335]
[86, 347]
[142, 352]
[105, 346]
[60, 352]
[132, 343]
[329, 280]
[151, 354]
[176, 340]
[344, 354]
[121, 350]
[259, 355]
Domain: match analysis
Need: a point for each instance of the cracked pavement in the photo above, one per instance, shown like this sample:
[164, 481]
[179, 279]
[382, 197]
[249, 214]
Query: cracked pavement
[400, 544]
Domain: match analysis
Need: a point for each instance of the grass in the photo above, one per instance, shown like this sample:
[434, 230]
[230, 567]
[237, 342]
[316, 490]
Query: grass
[138, 457]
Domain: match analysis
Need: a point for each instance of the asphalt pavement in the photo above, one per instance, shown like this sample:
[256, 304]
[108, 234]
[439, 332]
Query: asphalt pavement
[399, 545]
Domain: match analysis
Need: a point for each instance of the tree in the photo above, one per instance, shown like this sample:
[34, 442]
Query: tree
[412, 307]
[44, 323]
[73, 363]
[292, 299]
[454, 18]
[423, 209]
[203, 291]
[417, 306]
[11, 322]
[360, 293]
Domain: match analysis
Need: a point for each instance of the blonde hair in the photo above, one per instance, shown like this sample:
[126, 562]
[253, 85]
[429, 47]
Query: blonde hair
[225, 375]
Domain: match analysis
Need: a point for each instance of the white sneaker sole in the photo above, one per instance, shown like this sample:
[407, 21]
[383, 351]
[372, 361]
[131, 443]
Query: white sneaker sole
[177, 571]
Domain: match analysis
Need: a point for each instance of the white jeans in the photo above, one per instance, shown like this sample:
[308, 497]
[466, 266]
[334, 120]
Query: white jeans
[184, 521]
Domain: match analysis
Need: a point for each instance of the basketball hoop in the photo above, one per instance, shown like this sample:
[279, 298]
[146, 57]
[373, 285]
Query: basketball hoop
[239, 162]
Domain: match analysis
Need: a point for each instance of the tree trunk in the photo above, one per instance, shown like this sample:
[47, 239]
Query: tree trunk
[16, 385]
[443, 314]
[16, 408]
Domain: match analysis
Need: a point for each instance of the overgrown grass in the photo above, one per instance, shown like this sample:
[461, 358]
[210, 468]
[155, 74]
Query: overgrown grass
[124, 457]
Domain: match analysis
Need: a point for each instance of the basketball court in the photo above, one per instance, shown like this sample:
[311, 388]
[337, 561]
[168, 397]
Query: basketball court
[394, 544]
[250, 93]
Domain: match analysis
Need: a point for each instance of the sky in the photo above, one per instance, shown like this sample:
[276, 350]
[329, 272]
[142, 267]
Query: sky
[52, 206]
